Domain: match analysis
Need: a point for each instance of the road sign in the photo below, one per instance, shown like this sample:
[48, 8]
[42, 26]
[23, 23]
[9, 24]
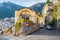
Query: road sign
[26, 29]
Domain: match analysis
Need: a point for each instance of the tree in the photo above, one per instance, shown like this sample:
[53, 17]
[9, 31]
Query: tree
[47, 1]
[17, 27]
[54, 18]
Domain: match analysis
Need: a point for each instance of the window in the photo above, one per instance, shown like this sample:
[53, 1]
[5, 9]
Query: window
[25, 16]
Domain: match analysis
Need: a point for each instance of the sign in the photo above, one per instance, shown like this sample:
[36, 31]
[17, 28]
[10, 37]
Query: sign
[26, 29]
[27, 24]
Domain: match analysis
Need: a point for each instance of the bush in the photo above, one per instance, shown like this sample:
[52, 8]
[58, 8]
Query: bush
[17, 26]
[48, 1]
[54, 16]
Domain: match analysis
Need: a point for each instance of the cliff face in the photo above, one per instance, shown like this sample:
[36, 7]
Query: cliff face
[46, 8]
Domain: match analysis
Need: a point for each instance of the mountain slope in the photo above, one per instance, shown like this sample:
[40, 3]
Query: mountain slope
[37, 7]
[7, 9]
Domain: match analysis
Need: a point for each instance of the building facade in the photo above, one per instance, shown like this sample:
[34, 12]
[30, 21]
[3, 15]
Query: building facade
[27, 14]
[58, 15]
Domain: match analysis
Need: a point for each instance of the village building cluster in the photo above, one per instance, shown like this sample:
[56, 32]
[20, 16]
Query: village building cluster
[6, 24]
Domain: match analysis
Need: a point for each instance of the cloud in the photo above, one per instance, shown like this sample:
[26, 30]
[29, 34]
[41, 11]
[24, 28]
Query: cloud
[24, 2]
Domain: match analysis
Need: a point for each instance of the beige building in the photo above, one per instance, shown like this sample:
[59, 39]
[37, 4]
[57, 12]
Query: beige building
[58, 16]
[27, 14]
[32, 15]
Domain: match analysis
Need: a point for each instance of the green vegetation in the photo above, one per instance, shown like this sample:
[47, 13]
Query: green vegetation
[54, 18]
[54, 15]
[17, 25]
[48, 1]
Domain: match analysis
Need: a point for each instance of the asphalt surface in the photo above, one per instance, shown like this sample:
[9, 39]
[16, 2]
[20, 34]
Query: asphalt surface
[42, 34]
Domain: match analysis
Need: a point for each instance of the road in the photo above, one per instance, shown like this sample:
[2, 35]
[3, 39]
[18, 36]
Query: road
[42, 34]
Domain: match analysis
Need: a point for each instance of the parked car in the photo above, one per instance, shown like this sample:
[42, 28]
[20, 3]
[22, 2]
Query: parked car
[48, 27]
[41, 26]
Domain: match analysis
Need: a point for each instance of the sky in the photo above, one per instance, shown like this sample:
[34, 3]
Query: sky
[26, 3]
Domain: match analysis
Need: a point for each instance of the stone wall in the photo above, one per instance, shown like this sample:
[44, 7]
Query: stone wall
[32, 29]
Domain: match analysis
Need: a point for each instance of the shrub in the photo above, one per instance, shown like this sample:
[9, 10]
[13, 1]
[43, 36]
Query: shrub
[17, 25]
[54, 18]
[54, 15]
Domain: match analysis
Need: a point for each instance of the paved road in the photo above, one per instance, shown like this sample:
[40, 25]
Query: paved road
[44, 35]
[39, 35]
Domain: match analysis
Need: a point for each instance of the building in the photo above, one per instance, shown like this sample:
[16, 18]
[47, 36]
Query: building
[58, 16]
[48, 12]
[27, 14]
[6, 25]
[55, 1]
[25, 11]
